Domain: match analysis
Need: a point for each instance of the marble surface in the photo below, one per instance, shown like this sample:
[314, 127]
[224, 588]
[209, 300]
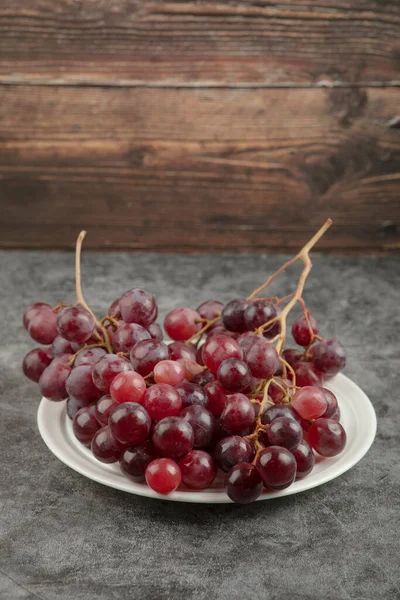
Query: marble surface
[63, 537]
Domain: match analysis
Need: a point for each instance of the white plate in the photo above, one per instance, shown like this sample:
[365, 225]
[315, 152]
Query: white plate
[357, 417]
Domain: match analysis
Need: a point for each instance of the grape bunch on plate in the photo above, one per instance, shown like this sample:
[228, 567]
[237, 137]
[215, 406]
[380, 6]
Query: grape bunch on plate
[224, 394]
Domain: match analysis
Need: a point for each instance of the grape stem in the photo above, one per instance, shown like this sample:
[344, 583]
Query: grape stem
[79, 295]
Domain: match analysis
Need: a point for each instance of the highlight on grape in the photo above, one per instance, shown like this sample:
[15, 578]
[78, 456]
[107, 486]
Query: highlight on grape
[225, 394]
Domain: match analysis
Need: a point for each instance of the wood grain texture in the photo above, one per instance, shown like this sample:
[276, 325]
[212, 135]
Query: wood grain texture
[199, 169]
[200, 43]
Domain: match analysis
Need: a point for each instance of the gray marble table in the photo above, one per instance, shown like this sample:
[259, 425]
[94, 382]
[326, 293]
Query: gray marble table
[63, 537]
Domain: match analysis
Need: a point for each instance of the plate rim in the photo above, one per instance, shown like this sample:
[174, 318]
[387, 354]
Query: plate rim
[204, 496]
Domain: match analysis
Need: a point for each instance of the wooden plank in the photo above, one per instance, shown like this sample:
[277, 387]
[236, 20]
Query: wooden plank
[195, 170]
[200, 43]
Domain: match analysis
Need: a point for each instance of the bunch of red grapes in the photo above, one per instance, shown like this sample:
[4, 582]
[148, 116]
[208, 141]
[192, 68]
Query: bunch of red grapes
[220, 396]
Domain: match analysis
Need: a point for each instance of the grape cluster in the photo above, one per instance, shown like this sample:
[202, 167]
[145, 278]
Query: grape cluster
[220, 396]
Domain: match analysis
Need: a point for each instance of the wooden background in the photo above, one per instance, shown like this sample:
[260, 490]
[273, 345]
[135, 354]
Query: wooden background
[200, 125]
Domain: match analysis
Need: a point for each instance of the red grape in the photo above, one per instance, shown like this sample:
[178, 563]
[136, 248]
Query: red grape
[273, 412]
[219, 348]
[203, 378]
[134, 461]
[146, 354]
[127, 335]
[61, 346]
[107, 368]
[80, 384]
[327, 437]
[277, 467]
[332, 404]
[35, 362]
[231, 451]
[114, 310]
[234, 375]
[243, 483]
[75, 324]
[181, 350]
[262, 358]
[173, 437]
[291, 356]
[232, 315]
[155, 331]
[329, 357]
[169, 371]
[307, 374]
[190, 368]
[163, 475]
[130, 423]
[89, 356]
[301, 332]
[33, 310]
[238, 414]
[217, 397]
[259, 312]
[275, 328]
[305, 459]
[309, 402]
[138, 306]
[210, 309]
[191, 393]
[72, 406]
[162, 400]
[85, 425]
[246, 339]
[42, 326]
[128, 386]
[198, 470]
[105, 447]
[181, 323]
[53, 379]
[103, 409]
[276, 393]
[202, 423]
[284, 431]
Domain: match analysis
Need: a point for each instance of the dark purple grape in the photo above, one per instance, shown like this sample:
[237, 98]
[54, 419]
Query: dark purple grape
[243, 483]
[327, 437]
[329, 357]
[262, 358]
[42, 326]
[277, 467]
[307, 374]
[274, 412]
[173, 437]
[80, 384]
[233, 315]
[107, 368]
[103, 409]
[234, 375]
[105, 447]
[130, 423]
[198, 470]
[75, 324]
[238, 414]
[35, 362]
[231, 451]
[53, 379]
[203, 378]
[89, 356]
[146, 354]
[210, 309]
[127, 335]
[85, 425]
[217, 397]
[202, 423]
[305, 459]
[285, 431]
[73, 405]
[191, 393]
[257, 313]
[332, 404]
[301, 331]
[138, 306]
[134, 461]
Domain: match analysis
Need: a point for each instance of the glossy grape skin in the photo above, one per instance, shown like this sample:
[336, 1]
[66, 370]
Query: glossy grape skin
[291, 356]
[234, 375]
[332, 404]
[257, 313]
[162, 400]
[232, 315]
[107, 368]
[275, 328]
[61, 346]
[232, 450]
[202, 423]
[35, 362]
[191, 393]
[199, 356]
[307, 374]
[75, 323]
[173, 437]
[105, 447]
[155, 331]
[219, 348]
[243, 483]
[327, 437]
[238, 414]
[246, 339]
[138, 306]
[129, 423]
[103, 409]
[169, 371]
[53, 380]
[80, 384]
[32, 310]
[127, 335]
[72, 406]
[134, 461]
[182, 323]
[85, 425]
[179, 350]
[219, 329]
[114, 310]
[190, 368]
[285, 431]
[203, 378]
[42, 327]
[210, 309]
[301, 332]
[305, 459]
[198, 469]
[163, 475]
[89, 356]
[146, 354]
[217, 397]
[277, 467]
[128, 386]
[262, 358]
[274, 412]
[309, 402]
[329, 357]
